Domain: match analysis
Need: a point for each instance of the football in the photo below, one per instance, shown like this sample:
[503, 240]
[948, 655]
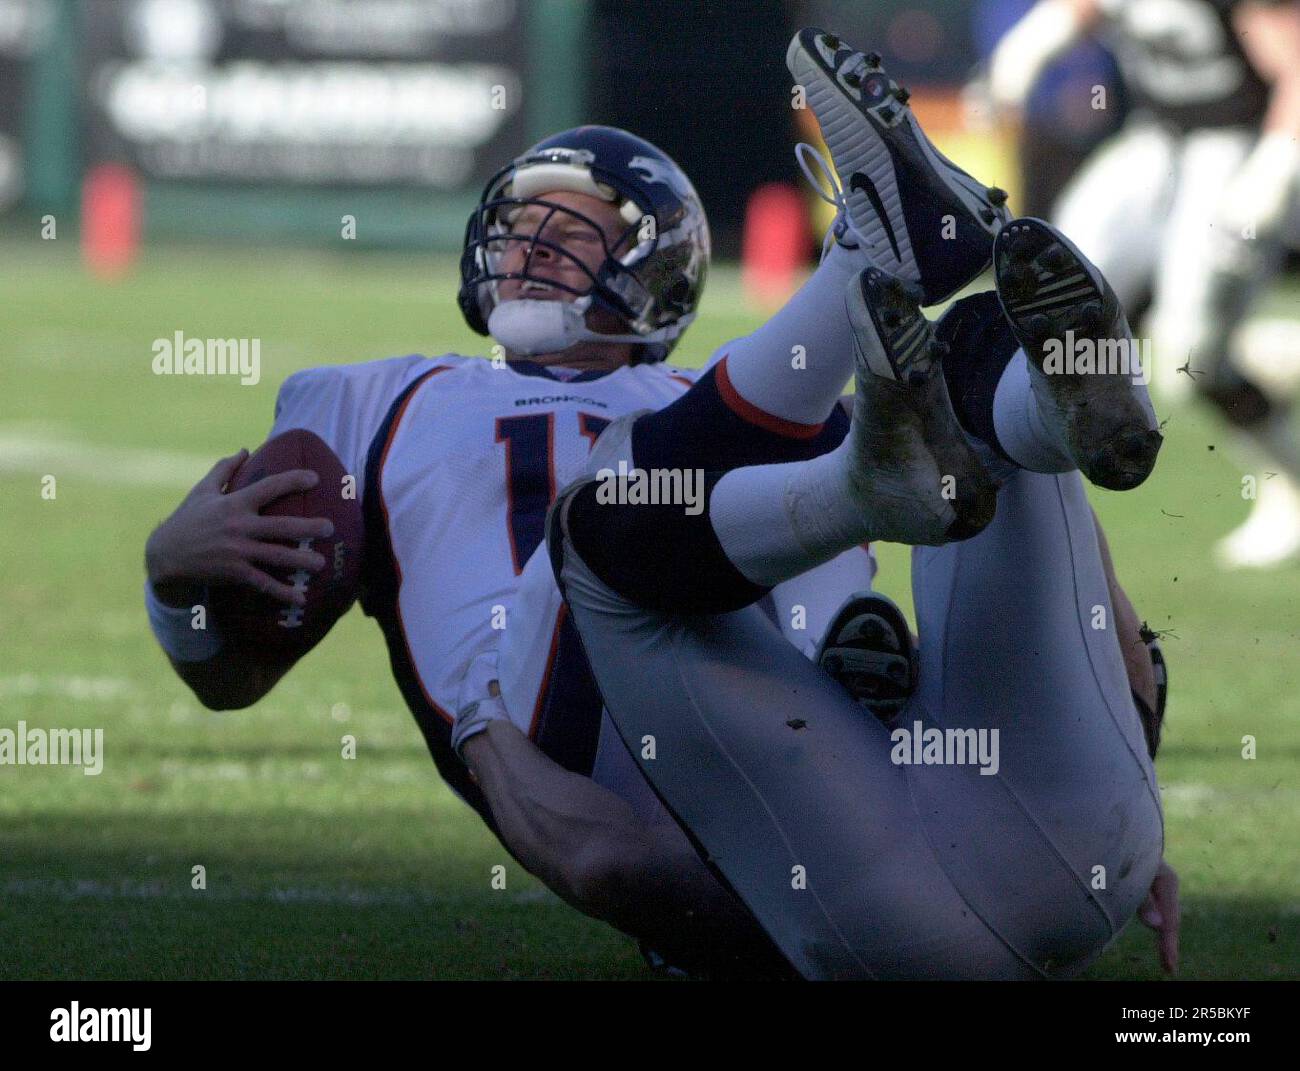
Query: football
[261, 622]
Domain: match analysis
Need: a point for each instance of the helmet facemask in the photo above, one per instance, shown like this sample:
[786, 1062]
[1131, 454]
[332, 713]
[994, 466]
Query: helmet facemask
[610, 287]
[628, 297]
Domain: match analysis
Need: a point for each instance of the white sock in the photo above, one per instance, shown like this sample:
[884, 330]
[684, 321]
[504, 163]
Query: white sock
[797, 364]
[777, 521]
[1023, 433]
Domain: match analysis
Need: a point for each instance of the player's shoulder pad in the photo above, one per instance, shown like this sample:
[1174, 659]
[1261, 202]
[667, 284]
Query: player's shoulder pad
[354, 382]
[345, 404]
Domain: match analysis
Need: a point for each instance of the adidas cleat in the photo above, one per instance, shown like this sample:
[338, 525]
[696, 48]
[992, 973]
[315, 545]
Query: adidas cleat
[868, 650]
[916, 463]
[1073, 329]
[921, 217]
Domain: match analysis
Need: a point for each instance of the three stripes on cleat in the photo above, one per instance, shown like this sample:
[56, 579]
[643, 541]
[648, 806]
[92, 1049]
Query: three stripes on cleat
[907, 335]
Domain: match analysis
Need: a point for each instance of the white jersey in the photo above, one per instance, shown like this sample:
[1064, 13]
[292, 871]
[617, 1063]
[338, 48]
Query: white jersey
[456, 462]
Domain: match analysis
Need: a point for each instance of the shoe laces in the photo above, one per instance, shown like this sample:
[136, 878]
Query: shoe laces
[810, 160]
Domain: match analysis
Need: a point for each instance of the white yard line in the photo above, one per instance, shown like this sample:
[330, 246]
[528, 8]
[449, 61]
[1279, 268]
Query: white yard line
[81, 689]
[42, 449]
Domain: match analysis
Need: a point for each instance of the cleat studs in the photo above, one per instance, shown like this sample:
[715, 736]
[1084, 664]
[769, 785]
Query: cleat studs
[997, 195]
[852, 78]
[1056, 258]
[1039, 325]
[903, 95]
[1019, 243]
[873, 59]
[832, 42]
[987, 215]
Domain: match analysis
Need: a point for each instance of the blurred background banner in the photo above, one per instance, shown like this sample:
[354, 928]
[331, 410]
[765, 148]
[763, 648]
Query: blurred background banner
[270, 120]
[320, 93]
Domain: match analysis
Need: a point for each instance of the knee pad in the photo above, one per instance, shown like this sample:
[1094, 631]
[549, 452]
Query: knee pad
[655, 555]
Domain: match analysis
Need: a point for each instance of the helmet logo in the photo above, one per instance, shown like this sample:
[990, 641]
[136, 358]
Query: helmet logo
[660, 171]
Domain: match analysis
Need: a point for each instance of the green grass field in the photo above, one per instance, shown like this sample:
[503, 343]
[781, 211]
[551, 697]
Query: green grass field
[323, 868]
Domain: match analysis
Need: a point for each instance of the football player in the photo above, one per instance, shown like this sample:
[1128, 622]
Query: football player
[584, 260]
[709, 706]
[1193, 198]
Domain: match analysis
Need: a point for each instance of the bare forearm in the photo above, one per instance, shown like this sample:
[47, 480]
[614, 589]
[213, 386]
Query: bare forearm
[588, 846]
[1283, 115]
[552, 820]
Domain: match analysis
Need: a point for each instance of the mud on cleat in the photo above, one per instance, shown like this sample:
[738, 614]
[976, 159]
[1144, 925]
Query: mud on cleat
[908, 350]
[912, 428]
[1084, 364]
[868, 650]
[920, 216]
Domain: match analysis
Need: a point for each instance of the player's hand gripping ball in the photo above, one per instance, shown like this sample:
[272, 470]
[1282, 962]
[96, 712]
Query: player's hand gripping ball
[265, 623]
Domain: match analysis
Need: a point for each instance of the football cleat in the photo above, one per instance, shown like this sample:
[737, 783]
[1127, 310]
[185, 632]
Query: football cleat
[917, 468]
[920, 216]
[868, 649]
[1062, 309]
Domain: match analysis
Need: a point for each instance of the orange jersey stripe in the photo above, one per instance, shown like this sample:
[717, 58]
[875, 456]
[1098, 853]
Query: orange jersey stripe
[752, 414]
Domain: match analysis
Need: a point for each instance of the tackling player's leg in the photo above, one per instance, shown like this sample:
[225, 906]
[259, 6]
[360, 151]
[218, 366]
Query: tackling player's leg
[904, 473]
[1014, 896]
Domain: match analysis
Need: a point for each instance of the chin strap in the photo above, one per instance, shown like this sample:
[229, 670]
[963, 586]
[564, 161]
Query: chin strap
[530, 326]
[806, 156]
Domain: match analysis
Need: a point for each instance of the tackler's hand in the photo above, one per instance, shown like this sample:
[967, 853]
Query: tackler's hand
[1160, 911]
